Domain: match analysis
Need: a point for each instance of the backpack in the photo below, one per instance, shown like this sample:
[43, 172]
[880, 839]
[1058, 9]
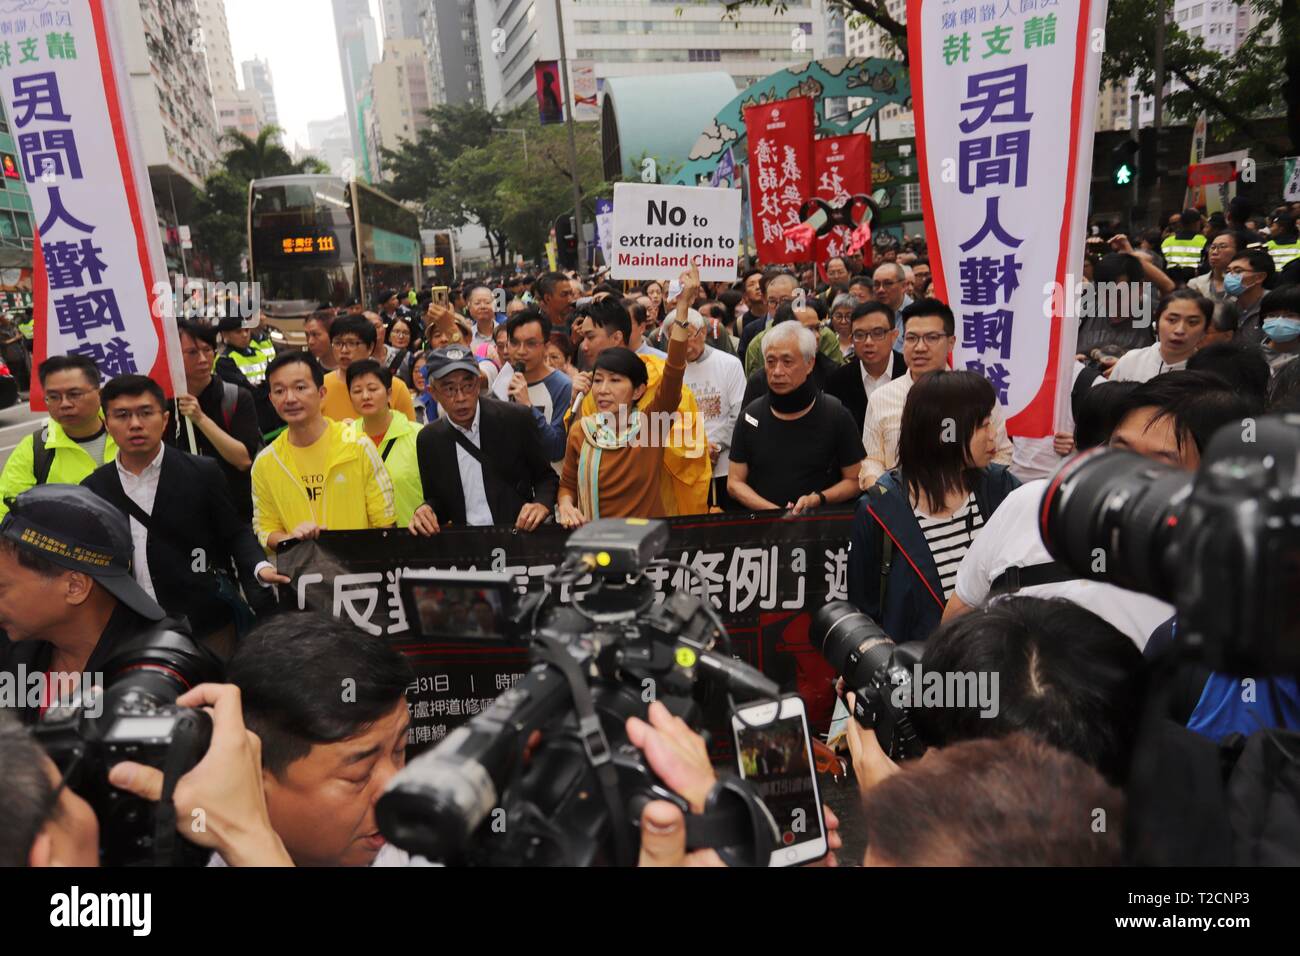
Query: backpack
[42, 454]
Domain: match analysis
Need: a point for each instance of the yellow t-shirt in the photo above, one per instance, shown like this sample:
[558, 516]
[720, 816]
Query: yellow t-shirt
[310, 463]
[338, 403]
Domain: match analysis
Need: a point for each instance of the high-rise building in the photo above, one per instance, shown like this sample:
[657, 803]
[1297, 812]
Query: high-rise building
[257, 79]
[330, 142]
[175, 116]
[639, 37]
[399, 99]
[400, 19]
[358, 44]
[449, 32]
[236, 109]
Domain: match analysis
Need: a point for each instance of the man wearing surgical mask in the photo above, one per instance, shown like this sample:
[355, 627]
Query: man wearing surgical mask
[1244, 281]
[1280, 310]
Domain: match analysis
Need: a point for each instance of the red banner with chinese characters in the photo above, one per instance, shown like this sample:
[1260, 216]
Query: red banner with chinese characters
[843, 169]
[780, 138]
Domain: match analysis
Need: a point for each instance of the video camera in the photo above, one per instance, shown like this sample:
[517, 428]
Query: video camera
[1222, 546]
[136, 718]
[549, 761]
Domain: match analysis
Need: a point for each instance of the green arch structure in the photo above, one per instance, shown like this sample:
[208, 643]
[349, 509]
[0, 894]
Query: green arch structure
[882, 82]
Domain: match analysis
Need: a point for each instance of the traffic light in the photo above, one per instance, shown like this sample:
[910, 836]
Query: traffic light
[1148, 156]
[566, 243]
[1122, 165]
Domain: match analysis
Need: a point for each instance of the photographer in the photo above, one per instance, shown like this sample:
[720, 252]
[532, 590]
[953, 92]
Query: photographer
[333, 734]
[43, 823]
[67, 596]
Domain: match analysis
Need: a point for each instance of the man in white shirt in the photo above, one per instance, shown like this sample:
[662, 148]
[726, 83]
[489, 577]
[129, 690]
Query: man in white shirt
[1184, 319]
[718, 382]
[1157, 422]
[929, 332]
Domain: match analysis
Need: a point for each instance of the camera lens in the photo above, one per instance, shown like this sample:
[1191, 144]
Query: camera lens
[1110, 515]
[158, 667]
[850, 641]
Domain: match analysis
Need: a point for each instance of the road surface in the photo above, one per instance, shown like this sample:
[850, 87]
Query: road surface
[16, 422]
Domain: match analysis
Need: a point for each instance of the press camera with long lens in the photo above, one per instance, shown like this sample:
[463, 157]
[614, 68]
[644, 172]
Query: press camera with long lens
[546, 775]
[878, 671]
[136, 719]
[1222, 545]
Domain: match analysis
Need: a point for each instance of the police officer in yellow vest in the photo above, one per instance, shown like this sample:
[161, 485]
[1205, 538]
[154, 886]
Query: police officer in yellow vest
[1182, 250]
[72, 442]
[250, 360]
[1285, 244]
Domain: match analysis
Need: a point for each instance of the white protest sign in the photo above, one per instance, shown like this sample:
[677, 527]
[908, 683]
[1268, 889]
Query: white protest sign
[663, 230]
[98, 259]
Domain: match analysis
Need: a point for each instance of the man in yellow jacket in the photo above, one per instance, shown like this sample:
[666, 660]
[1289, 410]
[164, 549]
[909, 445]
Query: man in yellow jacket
[72, 442]
[319, 475]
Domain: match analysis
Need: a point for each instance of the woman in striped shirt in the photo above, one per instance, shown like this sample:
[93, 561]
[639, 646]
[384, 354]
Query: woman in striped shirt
[916, 523]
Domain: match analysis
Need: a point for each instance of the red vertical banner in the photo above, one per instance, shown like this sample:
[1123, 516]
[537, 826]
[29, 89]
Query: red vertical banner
[780, 138]
[843, 169]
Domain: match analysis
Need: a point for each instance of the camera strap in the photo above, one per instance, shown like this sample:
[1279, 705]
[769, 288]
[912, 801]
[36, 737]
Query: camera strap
[594, 742]
[173, 768]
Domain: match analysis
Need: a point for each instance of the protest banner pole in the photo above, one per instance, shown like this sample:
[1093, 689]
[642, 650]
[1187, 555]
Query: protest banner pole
[573, 147]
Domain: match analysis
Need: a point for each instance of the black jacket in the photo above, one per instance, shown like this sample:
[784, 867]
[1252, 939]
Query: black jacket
[515, 469]
[192, 512]
[845, 383]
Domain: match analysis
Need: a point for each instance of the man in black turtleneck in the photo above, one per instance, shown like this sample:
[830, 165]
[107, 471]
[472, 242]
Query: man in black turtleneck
[796, 447]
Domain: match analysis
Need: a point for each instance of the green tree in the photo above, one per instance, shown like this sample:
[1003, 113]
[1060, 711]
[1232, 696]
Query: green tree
[1262, 78]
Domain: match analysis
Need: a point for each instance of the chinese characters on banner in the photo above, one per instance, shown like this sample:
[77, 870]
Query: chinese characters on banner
[843, 169]
[63, 83]
[780, 138]
[1005, 147]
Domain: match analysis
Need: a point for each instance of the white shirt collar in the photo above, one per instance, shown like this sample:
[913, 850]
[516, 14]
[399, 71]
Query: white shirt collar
[153, 466]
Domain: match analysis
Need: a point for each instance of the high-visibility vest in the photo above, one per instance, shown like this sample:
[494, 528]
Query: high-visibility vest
[253, 365]
[28, 328]
[1183, 253]
[1282, 252]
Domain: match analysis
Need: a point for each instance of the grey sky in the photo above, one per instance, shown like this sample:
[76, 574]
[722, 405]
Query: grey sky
[297, 38]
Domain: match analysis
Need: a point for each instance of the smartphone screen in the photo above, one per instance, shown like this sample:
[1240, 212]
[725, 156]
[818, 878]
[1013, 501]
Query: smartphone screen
[776, 756]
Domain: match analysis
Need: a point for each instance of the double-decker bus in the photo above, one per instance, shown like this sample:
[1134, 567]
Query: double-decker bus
[317, 240]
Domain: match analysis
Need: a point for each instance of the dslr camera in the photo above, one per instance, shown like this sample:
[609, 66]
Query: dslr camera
[549, 761]
[136, 719]
[1222, 546]
[878, 671]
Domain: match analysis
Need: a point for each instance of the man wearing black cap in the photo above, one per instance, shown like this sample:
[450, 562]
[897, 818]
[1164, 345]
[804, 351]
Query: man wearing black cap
[243, 362]
[481, 462]
[67, 595]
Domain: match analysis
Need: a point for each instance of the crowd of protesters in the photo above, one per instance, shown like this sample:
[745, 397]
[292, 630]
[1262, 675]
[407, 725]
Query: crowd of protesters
[526, 399]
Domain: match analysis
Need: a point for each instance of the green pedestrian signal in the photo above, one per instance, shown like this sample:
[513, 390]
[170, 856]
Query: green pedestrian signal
[1123, 169]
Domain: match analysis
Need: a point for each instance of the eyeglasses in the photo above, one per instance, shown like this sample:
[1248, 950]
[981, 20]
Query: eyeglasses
[875, 335]
[348, 344]
[455, 391]
[124, 415]
[76, 395]
[883, 283]
[929, 338]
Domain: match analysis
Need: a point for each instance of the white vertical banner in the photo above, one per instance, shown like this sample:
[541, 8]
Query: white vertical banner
[99, 276]
[582, 87]
[1005, 147]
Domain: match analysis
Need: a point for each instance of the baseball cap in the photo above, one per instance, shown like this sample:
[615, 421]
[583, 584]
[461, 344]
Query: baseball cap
[451, 358]
[74, 528]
